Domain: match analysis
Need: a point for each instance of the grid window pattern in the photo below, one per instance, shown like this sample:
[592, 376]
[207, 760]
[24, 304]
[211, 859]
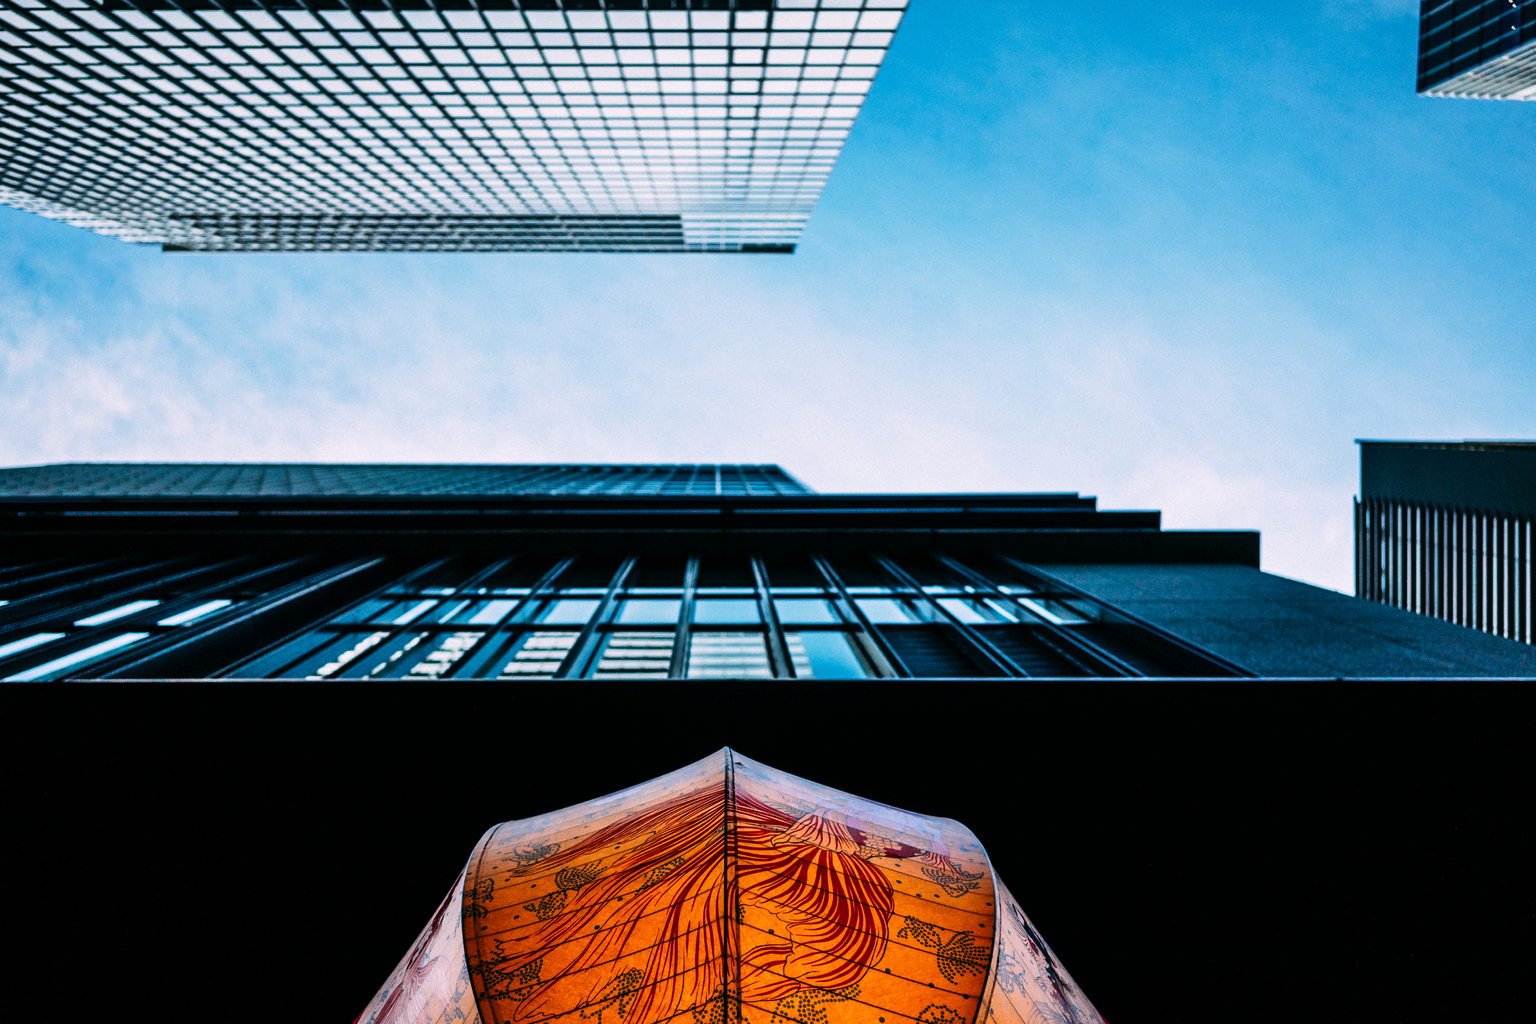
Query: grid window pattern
[529, 617]
[539, 656]
[599, 125]
[1483, 49]
[194, 480]
[729, 656]
[60, 618]
[635, 656]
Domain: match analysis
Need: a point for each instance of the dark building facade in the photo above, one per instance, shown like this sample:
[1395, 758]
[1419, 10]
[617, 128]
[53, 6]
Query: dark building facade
[1445, 529]
[1480, 49]
[527, 573]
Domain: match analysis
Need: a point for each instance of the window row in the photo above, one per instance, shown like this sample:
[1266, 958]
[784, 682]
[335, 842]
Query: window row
[879, 16]
[364, 42]
[832, 618]
[585, 616]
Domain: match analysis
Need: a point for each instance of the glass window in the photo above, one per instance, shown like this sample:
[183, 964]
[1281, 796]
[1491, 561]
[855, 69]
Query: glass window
[539, 655]
[567, 612]
[1054, 611]
[58, 665]
[444, 656]
[649, 612]
[969, 611]
[886, 611]
[728, 655]
[635, 656]
[382, 658]
[367, 610]
[206, 608]
[27, 643]
[122, 611]
[447, 613]
[804, 612]
[1008, 613]
[725, 612]
[492, 612]
[825, 655]
[412, 613]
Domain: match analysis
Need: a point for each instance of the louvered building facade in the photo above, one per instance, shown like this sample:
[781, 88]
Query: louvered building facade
[1444, 528]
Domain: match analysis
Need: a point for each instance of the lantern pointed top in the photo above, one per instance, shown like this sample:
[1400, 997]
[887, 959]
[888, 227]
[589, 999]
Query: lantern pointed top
[729, 892]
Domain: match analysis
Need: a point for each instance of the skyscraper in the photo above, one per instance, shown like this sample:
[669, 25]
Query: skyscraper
[521, 574]
[1481, 49]
[449, 125]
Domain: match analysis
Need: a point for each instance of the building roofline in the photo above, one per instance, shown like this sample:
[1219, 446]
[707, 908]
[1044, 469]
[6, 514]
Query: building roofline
[1471, 444]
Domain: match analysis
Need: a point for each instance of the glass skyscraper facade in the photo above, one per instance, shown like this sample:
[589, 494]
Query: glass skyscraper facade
[251, 480]
[1481, 49]
[451, 125]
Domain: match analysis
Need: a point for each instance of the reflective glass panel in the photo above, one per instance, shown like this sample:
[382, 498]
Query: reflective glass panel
[538, 655]
[824, 655]
[804, 612]
[492, 612]
[336, 656]
[649, 612]
[27, 643]
[885, 611]
[116, 613]
[367, 610]
[412, 612]
[1054, 611]
[59, 665]
[567, 612]
[206, 608]
[970, 612]
[442, 655]
[728, 655]
[635, 656]
[725, 612]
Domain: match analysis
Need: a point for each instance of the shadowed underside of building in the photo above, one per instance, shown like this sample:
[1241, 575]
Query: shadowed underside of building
[523, 574]
[1478, 49]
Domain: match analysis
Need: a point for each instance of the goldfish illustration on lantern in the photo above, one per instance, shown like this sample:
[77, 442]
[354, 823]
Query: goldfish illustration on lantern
[726, 893]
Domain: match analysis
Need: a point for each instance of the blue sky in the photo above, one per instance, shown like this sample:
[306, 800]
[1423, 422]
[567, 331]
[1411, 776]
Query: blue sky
[1175, 255]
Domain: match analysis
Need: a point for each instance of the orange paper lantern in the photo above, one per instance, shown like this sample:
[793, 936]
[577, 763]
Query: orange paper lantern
[729, 893]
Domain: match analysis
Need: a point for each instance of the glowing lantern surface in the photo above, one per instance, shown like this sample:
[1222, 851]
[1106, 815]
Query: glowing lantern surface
[729, 893]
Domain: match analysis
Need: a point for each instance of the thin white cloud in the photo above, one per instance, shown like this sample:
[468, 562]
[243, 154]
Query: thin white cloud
[667, 361]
